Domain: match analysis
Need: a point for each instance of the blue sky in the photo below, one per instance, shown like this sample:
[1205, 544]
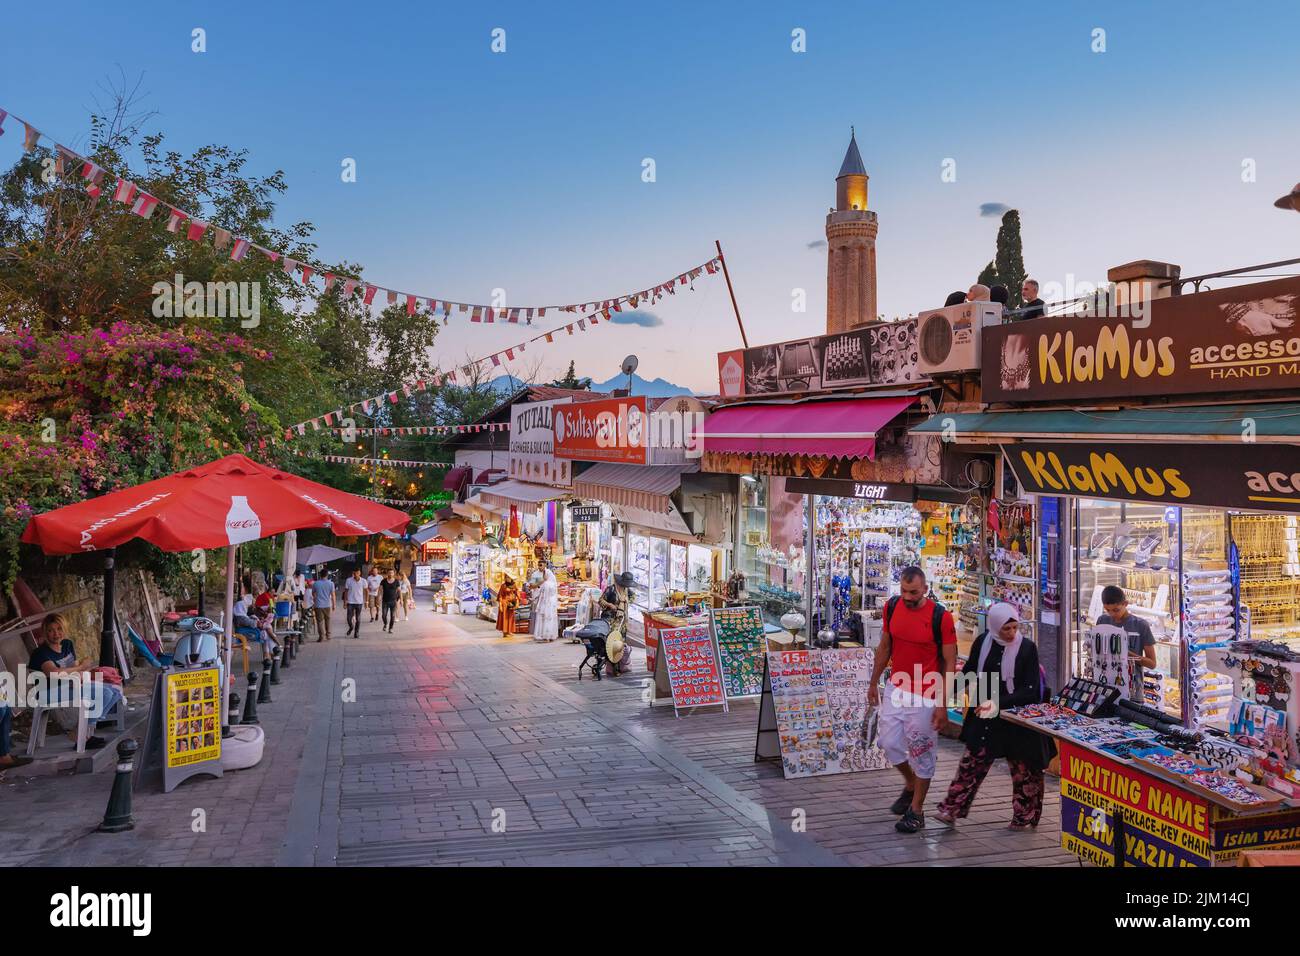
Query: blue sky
[522, 170]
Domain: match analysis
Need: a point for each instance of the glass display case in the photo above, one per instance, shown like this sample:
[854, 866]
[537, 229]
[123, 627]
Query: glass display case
[678, 575]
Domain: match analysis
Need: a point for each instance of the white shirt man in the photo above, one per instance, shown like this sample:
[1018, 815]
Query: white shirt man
[372, 592]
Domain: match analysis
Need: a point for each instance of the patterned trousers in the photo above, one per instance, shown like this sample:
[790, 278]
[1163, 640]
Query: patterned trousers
[1026, 783]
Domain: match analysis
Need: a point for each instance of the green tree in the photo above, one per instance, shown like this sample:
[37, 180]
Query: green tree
[571, 380]
[1008, 265]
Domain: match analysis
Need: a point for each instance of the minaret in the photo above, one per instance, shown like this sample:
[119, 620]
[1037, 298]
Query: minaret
[851, 248]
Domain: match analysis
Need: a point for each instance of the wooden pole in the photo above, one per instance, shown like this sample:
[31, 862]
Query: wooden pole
[732, 292]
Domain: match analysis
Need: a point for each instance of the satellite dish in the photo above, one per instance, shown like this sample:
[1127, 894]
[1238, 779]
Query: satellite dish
[629, 364]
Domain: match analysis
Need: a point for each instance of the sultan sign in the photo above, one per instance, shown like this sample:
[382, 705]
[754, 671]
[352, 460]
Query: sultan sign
[1244, 338]
[1245, 475]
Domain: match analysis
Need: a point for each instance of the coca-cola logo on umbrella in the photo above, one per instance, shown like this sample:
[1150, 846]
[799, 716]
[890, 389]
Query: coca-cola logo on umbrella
[242, 522]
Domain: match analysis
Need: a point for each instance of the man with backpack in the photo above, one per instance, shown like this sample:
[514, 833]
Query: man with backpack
[918, 642]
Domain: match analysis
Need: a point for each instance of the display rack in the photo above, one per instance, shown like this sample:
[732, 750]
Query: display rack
[468, 579]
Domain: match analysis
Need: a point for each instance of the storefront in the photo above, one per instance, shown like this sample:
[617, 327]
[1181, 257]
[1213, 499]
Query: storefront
[843, 479]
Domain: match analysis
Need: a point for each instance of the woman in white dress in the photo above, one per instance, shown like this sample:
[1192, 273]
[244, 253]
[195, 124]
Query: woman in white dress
[546, 620]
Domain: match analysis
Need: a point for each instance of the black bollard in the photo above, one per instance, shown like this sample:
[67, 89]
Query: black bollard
[286, 650]
[264, 688]
[276, 660]
[232, 714]
[250, 702]
[118, 815]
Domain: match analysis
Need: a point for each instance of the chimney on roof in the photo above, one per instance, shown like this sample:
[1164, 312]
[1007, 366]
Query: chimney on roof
[1143, 280]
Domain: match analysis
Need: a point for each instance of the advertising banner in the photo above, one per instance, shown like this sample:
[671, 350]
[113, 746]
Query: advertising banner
[192, 732]
[611, 429]
[1243, 338]
[880, 353]
[1247, 475]
[532, 445]
[1162, 826]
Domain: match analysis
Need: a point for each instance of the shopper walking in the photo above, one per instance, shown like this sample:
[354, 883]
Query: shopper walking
[389, 592]
[919, 643]
[405, 597]
[354, 599]
[1006, 664]
[372, 592]
[323, 603]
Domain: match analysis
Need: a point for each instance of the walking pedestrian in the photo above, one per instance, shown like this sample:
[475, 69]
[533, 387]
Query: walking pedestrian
[323, 603]
[405, 596]
[507, 601]
[389, 591]
[372, 593]
[918, 642]
[1007, 664]
[354, 599]
[546, 624]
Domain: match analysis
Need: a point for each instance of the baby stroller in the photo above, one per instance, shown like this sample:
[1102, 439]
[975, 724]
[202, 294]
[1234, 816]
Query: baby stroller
[593, 637]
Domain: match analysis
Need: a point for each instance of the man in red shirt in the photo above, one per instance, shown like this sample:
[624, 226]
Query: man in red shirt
[914, 710]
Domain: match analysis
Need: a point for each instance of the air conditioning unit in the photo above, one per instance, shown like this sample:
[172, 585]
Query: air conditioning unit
[948, 339]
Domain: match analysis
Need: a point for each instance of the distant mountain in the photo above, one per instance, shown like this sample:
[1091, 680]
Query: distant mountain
[659, 388]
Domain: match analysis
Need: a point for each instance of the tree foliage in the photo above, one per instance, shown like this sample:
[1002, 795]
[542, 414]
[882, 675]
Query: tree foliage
[1008, 265]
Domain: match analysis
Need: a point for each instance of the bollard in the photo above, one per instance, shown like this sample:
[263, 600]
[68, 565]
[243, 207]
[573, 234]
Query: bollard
[264, 688]
[276, 660]
[232, 714]
[286, 650]
[117, 817]
[250, 702]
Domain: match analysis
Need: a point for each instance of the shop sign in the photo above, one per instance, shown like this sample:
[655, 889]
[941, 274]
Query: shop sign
[880, 353]
[865, 490]
[1162, 824]
[612, 429]
[1244, 338]
[1246, 475]
[731, 373]
[532, 445]
[585, 514]
[1279, 831]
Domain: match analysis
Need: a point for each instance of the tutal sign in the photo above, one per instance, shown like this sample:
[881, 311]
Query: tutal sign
[1245, 475]
[1244, 338]
[532, 452]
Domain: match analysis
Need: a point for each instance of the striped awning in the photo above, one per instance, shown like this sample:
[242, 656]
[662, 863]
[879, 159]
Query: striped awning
[520, 493]
[637, 486]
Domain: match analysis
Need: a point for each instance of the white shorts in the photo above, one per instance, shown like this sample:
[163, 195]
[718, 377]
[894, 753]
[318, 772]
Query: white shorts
[906, 731]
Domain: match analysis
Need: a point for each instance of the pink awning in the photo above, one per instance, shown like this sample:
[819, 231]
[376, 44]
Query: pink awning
[838, 429]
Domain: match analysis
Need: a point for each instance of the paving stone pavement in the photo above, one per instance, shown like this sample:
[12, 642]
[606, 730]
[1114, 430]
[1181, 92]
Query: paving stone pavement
[466, 748]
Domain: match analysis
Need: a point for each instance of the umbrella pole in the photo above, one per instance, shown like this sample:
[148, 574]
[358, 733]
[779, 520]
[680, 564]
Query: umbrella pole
[107, 655]
[228, 632]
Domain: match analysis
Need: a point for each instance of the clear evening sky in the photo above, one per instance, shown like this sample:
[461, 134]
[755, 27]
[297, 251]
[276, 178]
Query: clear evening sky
[523, 170]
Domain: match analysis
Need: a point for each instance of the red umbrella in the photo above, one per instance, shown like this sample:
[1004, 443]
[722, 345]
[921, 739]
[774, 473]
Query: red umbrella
[221, 504]
[230, 501]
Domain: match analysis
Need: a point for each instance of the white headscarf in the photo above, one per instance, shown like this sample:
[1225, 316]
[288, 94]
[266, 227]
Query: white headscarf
[998, 616]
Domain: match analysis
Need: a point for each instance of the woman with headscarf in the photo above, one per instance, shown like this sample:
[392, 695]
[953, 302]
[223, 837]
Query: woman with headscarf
[1007, 664]
[546, 607]
[507, 601]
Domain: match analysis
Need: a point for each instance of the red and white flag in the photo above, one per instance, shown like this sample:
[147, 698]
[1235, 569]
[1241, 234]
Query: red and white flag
[369, 297]
[392, 297]
[125, 191]
[306, 274]
[31, 135]
[349, 287]
[329, 282]
[174, 218]
[220, 238]
[410, 307]
[476, 315]
[239, 250]
[496, 360]
[144, 205]
[196, 230]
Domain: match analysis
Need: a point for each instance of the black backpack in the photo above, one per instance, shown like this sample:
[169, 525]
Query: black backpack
[936, 623]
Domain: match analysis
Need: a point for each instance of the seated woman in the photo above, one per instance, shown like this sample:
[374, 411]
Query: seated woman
[248, 614]
[56, 655]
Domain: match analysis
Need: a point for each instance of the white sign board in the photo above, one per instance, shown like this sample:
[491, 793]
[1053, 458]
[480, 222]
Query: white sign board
[532, 445]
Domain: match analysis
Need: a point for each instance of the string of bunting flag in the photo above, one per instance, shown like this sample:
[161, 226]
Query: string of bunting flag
[400, 501]
[195, 228]
[428, 429]
[394, 462]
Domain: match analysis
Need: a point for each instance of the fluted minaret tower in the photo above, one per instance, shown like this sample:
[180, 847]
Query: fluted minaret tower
[851, 248]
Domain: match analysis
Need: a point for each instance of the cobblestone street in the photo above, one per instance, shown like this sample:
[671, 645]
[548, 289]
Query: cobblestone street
[454, 728]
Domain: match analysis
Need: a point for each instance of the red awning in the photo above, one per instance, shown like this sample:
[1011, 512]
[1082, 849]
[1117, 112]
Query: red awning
[838, 429]
[457, 478]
